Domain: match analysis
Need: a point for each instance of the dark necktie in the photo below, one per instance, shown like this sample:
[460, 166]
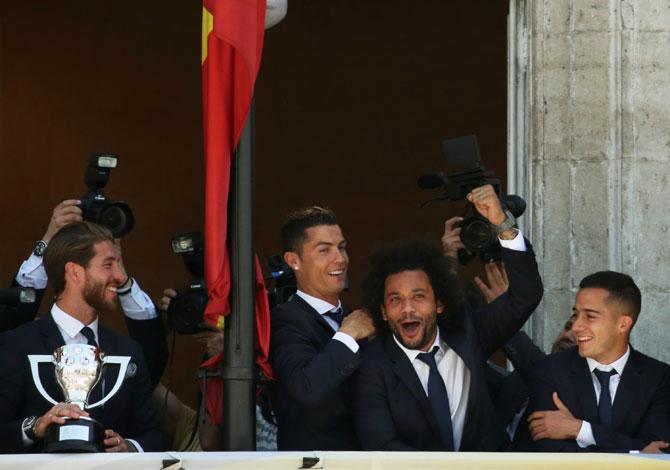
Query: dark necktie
[605, 402]
[90, 336]
[336, 314]
[439, 400]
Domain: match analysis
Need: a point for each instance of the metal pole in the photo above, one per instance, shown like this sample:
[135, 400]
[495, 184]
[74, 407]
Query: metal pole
[239, 425]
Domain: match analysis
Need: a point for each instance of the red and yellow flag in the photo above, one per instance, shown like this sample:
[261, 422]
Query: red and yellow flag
[232, 44]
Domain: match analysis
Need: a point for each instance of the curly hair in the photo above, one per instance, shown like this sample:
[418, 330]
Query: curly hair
[412, 256]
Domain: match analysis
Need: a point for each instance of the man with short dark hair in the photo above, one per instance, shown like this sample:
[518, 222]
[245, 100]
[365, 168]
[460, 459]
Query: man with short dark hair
[422, 385]
[83, 264]
[603, 395]
[314, 347]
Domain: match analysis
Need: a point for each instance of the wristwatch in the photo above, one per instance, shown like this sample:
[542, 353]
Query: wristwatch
[507, 224]
[28, 427]
[40, 247]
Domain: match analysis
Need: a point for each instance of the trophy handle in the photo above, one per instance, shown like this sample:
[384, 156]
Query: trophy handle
[35, 360]
[123, 362]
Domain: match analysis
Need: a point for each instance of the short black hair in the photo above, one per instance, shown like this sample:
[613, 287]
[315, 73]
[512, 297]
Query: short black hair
[294, 229]
[621, 288]
[412, 255]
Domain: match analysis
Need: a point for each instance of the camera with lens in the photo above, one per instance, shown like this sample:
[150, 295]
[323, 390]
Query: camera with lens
[283, 281]
[95, 206]
[17, 295]
[186, 311]
[466, 173]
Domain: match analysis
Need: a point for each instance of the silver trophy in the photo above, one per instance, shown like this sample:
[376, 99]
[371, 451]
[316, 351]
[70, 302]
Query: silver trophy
[78, 368]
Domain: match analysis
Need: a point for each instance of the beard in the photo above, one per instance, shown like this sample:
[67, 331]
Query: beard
[94, 295]
[419, 342]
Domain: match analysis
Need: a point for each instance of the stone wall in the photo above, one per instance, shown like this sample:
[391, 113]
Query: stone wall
[596, 145]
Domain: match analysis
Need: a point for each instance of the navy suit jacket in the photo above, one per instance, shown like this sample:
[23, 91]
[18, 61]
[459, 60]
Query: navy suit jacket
[391, 409]
[129, 412]
[310, 396]
[640, 411]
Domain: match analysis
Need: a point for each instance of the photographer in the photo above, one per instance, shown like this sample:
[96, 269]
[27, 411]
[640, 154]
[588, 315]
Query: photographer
[140, 314]
[178, 420]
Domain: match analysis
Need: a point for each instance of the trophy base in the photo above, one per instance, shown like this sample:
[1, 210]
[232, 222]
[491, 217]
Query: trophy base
[75, 436]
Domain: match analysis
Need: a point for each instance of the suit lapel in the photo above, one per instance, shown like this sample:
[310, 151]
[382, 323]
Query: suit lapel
[52, 340]
[457, 340]
[403, 368]
[299, 301]
[583, 385]
[625, 393]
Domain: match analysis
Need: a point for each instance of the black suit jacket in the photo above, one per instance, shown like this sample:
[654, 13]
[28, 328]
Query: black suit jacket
[640, 411]
[310, 396]
[391, 409]
[129, 412]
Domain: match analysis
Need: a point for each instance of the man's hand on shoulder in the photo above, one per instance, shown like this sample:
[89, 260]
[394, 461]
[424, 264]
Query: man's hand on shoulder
[558, 424]
[358, 324]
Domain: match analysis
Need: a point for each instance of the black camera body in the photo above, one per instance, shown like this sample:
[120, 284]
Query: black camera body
[283, 281]
[467, 173]
[186, 311]
[95, 206]
[17, 295]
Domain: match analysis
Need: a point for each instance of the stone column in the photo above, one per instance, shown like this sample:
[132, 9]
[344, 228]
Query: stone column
[590, 150]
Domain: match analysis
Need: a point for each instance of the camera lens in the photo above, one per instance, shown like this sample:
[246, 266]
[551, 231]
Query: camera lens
[117, 217]
[476, 234]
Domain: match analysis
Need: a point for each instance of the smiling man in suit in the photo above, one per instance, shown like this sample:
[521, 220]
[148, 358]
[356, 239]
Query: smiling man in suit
[422, 384]
[602, 395]
[314, 346]
[83, 266]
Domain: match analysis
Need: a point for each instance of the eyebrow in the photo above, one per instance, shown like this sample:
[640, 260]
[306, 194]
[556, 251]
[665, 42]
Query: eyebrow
[589, 310]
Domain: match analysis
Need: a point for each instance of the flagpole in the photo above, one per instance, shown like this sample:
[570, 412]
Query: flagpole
[239, 424]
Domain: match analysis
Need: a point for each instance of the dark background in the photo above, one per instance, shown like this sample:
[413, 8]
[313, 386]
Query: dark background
[352, 103]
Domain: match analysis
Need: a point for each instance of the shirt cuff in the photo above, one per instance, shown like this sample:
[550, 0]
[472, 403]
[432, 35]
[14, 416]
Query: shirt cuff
[517, 243]
[137, 305]
[585, 437]
[347, 340]
[136, 444]
[32, 273]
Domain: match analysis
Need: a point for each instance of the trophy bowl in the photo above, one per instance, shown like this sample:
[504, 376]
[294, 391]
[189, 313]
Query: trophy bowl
[78, 368]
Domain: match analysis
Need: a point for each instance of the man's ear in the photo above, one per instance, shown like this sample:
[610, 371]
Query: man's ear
[383, 310]
[439, 307]
[292, 259]
[625, 322]
[74, 273]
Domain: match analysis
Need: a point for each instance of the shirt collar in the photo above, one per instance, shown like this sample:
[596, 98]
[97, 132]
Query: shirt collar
[320, 305]
[617, 365]
[69, 324]
[413, 353]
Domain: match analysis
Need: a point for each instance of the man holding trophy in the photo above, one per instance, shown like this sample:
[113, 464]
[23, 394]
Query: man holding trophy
[68, 384]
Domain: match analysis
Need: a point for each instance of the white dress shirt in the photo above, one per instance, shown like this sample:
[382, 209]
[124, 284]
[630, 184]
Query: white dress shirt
[322, 307]
[585, 437]
[456, 377]
[136, 304]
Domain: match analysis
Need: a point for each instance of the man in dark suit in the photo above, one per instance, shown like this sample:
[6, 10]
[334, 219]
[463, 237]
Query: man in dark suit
[83, 266]
[602, 395]
[422, 385]
[314, 347]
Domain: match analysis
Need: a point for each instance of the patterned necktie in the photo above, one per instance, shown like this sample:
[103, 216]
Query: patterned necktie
[336, 314]
[439, 399]
[605, 402]
[90, 336]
